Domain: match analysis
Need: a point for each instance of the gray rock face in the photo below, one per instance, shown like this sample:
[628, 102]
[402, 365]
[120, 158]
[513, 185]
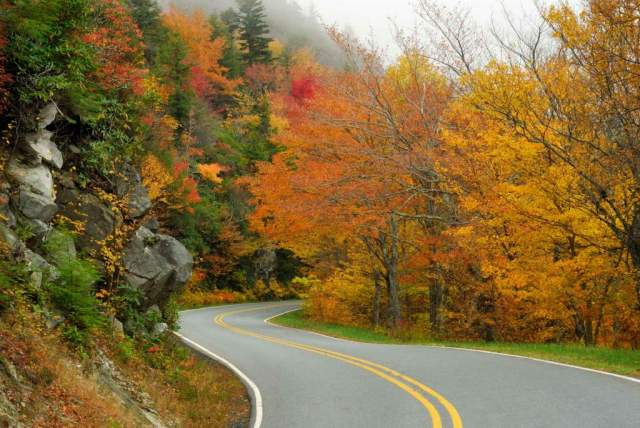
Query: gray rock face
[37, 179]
[40, 145]
[157, 264]
[99, 221]
[138, 201]
[38, 228]
[129, 184]
[152, 224]
[35, 206]
[47, 115]
[36, 263]
[177, 255]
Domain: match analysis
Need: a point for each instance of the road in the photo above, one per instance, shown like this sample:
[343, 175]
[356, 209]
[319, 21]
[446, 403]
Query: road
[302, 379]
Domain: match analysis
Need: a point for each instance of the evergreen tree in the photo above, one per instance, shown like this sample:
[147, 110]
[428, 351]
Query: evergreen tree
[146, 14]
[231, 58]
[253, 32]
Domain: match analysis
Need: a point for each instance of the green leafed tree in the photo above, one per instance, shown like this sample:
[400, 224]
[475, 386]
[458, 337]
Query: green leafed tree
[253, 32]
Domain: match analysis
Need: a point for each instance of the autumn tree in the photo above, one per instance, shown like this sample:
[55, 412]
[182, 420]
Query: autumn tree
[5, 78]
[204, 54]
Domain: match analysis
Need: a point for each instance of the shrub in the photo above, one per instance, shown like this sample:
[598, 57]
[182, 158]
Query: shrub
[170, 314]
[72, 292]
[13, 277]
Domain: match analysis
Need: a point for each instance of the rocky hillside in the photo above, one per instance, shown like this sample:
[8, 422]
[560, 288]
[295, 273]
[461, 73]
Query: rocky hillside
[39, 189]
[60, 363]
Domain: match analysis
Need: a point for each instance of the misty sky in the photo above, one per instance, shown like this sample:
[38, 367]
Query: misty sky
[368, 17]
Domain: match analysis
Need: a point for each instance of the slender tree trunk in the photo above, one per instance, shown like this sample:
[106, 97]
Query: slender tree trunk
[633, 244]
[588, 325]
[392, 273]
[435, 301]
[376, 298]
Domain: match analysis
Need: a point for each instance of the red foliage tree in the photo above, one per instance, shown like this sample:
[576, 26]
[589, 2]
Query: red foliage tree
[303, 89]
[118, 41]
[5, 78]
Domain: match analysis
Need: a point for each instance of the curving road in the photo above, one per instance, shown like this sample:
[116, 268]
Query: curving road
[302, 379]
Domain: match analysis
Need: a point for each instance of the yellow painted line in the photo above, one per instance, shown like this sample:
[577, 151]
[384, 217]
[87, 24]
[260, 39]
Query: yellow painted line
[377, 369]
[433, 412]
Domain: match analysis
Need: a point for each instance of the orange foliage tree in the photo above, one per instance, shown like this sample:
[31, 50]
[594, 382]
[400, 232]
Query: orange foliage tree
[207, 74]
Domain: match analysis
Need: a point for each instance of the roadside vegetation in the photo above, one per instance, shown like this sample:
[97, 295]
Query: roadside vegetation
[620, 361]
[45, 382]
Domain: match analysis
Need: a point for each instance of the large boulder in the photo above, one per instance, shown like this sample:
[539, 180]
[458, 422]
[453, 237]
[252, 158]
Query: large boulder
[99, 220]
[34, 178]
[35, 206]
[157, 264]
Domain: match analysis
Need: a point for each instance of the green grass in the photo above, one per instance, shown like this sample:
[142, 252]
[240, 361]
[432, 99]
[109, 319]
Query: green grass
[620, 361]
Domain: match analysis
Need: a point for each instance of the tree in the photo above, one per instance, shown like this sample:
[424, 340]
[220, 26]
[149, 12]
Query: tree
[253, 32]
[5, 78]
[147, 15]
[232, 58]
[204, 54]
[46, 54]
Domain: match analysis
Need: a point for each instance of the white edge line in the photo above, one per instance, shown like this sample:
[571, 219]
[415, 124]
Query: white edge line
[249, 384]
[540, 360]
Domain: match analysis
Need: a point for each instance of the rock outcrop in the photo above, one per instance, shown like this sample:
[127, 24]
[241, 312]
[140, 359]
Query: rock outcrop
[157, 264]
[28, 169]
[35, 206]
[99, 220]
[34, 178]
[129, 185]
[42, 147]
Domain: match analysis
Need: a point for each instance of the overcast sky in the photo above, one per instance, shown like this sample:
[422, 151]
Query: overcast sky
[368, 17]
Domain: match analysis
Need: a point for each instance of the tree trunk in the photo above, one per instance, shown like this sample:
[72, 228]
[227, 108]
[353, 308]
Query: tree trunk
[435, 301]
[376, 298]
[392, 274]
[633, 244]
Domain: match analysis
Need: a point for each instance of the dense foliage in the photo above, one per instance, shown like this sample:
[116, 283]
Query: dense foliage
[178, 95]
[468, 197]
[446, 193]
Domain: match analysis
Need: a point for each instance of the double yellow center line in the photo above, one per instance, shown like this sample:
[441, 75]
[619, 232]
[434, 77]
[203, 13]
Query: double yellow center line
[414, 388]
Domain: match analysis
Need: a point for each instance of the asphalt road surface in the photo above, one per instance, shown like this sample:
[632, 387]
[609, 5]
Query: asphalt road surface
[306, 380]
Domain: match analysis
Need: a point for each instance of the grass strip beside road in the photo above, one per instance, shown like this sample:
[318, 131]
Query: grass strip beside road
[620, 361]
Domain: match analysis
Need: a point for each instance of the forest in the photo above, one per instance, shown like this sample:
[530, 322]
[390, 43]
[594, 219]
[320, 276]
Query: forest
[480, 186]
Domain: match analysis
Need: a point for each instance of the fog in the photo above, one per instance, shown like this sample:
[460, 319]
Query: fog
[376, 18]
[301, 22]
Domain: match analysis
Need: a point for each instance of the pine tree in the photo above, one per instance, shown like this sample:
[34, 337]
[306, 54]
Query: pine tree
[253, 32]
[146, 13]
[231, 58]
